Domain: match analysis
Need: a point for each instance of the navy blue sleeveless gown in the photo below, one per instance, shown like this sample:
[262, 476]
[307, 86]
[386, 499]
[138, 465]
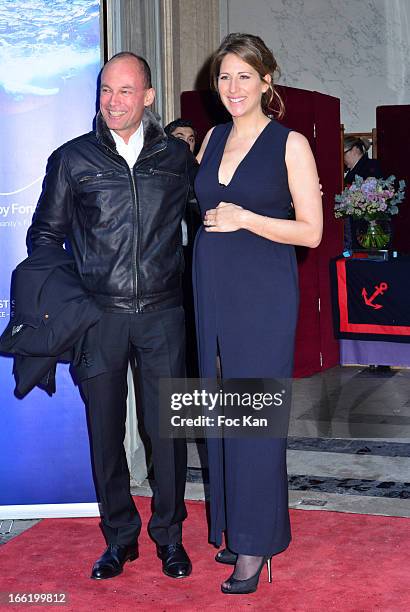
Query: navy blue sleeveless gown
[246, 296]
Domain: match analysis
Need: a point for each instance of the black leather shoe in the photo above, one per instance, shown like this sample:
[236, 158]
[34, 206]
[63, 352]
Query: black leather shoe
[175, 561]
[111, 563]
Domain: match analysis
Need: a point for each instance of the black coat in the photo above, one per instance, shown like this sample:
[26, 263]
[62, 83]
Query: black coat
[365, 167]
[50, 315]
[123, 225]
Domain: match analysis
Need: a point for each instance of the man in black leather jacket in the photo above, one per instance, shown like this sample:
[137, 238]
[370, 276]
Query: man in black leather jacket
[117, 196]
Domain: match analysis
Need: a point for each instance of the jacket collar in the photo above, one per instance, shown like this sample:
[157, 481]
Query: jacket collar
[155, 138]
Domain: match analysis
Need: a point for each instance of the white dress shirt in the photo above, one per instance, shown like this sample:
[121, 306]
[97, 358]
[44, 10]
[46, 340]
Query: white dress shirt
[130, 151]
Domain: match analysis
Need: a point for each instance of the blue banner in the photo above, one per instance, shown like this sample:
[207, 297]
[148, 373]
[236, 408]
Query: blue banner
[49, 63]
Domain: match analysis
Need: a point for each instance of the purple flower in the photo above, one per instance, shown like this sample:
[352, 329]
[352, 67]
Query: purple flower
[369, 186]
[369, 196]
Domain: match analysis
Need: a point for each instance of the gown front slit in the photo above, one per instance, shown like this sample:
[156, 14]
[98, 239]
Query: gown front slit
[246, 299]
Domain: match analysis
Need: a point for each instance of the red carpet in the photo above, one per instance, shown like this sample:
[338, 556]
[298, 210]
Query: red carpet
[342, 562]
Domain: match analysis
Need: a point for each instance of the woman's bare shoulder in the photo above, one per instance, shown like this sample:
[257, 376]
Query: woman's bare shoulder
[204, 145]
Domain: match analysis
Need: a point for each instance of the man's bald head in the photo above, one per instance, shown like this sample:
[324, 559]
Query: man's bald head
[140, 61]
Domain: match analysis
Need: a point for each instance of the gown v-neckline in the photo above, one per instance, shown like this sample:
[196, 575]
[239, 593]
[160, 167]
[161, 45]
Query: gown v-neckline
[243, 158]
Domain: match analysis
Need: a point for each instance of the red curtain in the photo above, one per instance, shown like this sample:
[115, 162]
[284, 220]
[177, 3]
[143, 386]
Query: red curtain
[393, 152]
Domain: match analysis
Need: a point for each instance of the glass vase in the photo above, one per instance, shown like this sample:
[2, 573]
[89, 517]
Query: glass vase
[374, 233]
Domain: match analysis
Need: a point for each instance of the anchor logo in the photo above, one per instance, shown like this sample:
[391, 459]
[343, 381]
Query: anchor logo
[379, 290]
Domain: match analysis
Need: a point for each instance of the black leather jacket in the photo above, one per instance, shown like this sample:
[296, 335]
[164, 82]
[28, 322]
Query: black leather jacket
[122, 225]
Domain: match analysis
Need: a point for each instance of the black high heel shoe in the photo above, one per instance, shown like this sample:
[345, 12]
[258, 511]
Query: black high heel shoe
[242, 587]
[226, 556]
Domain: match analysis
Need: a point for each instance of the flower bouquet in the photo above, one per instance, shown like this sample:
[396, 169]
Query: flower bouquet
[375, 201]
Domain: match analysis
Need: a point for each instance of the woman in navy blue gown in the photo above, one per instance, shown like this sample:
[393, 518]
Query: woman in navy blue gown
[246, 291]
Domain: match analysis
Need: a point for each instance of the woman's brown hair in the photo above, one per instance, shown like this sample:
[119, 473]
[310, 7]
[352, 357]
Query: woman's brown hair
[252, 50]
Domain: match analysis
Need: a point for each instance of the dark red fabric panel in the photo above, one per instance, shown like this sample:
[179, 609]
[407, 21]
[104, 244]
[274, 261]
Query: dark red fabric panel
[393, 152]
[307, 348]
[327, 154]
[317, 116]
[204, 110]
[308, 113]
[299, 113]
[300, 110]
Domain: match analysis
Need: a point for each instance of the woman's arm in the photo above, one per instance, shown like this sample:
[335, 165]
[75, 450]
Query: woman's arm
[306, 229]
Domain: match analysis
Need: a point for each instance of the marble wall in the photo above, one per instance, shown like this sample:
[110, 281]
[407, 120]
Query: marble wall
[356, 50]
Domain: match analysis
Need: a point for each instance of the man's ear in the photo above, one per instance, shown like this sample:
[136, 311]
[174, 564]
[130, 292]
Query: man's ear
[149, 96]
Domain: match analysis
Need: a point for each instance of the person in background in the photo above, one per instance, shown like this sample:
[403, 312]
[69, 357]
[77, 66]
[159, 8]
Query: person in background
[184, 130]
[357, 160]
[357, 163]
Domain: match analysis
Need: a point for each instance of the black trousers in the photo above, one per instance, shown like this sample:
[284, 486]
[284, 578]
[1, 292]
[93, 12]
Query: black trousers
[157, 339]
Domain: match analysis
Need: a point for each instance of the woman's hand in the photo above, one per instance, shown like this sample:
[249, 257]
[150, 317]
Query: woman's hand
[226, 217]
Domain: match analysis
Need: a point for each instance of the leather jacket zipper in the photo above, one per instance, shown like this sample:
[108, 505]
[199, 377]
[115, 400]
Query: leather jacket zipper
[93, 177]
[136, 247]
[136, 232]
[136, 244]
[139, 306]
[166, 173]
[136, 235]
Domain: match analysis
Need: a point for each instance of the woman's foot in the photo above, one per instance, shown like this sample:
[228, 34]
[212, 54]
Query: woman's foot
[245, 577]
